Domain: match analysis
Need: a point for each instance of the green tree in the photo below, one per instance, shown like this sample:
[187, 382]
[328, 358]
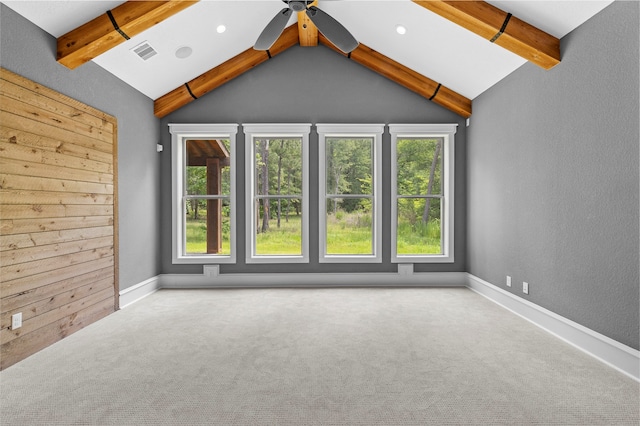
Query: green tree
[196, 185]
[285, 173]
[349, 166]
[262, 174]
[419, 173]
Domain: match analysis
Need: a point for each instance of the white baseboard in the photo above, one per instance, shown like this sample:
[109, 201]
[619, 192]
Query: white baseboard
[603, 348]
[306, 280]
[139, 291]
[613, 353]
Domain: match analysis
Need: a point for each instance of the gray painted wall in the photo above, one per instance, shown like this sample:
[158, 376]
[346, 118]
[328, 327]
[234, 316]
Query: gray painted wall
[29, 51]
[552, 178]
[313, 85]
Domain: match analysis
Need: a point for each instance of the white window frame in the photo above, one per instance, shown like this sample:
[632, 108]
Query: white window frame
[374, 131]
[447, 133]
[180, 133]
[275, 130]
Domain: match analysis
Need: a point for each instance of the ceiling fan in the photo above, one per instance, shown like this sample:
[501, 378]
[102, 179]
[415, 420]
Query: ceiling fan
[328, 26]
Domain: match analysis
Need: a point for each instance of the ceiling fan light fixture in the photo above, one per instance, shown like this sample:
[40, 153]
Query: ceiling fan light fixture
[401, 29]
[221, 28]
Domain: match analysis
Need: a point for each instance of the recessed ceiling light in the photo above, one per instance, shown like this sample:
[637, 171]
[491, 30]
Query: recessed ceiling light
[221, 29]
[401, 29]
[184, 52]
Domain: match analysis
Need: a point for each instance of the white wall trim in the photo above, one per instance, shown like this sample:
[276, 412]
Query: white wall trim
[613, 353]
[139, 291]
[306, 280]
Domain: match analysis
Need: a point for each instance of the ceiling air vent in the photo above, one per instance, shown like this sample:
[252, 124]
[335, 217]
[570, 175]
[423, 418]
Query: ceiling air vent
[144, 51]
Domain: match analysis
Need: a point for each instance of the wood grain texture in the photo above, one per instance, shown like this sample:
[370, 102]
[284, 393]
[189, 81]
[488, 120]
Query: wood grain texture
[30, 254]
[26, 211]
[58, 215]
[50, 145]
[223, 73]
[307, 31]
[30, 282]
[20, 152]
[20, 348]
[65, 136]
[16, 182]
[406, 77]
[37, 114]
[45, 92]
[99, 35]
[62, 298]
[486, 20]
[36, 238]
[52, 291]
[44, 318]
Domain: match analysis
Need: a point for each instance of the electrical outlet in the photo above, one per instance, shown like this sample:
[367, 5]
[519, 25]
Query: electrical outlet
[508, 281]
[525, 287]
[16, 320]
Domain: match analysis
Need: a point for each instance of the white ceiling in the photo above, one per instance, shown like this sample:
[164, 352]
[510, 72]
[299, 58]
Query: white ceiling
[432, 46]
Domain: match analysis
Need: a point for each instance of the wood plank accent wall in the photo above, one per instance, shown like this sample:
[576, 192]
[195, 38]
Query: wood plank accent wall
[58, 216]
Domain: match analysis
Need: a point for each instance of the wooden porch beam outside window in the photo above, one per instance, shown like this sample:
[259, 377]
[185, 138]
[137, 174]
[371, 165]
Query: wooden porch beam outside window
[500, 28]
[105, 32]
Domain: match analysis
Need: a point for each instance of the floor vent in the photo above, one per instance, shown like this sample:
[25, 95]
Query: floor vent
[144, 51]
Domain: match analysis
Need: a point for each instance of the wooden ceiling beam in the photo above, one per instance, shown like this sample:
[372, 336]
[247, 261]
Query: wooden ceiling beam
[224, 72]
[307, 30]
[406, 77]
[500, 28]
[105, 32]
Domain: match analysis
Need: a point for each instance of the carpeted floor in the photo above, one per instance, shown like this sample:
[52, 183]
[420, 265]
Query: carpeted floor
[315, 357]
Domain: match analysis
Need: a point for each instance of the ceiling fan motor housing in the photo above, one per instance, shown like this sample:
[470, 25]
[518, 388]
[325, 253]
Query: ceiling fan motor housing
[298, 6]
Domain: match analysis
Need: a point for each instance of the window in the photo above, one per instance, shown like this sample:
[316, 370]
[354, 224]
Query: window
[203, 200]
[350, 192]
[277, 182]
[422, 172]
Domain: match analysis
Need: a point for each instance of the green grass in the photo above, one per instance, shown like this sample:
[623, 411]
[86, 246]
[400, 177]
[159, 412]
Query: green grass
[348, 233]
[419, 239]
[286, 240]
[196, 234]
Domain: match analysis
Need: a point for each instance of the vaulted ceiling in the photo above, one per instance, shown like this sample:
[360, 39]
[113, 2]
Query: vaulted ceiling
[452, 51]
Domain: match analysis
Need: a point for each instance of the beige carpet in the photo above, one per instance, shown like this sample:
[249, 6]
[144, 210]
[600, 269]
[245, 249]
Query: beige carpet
[315, 357]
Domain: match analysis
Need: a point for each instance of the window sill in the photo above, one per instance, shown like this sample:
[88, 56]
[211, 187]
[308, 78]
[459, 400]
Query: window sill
[203, 260]
[434, 258]
[277, 259]
[350, 259]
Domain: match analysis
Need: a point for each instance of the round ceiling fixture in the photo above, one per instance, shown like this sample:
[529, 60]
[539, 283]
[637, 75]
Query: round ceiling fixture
[400, 29]
[184, 52]
[221, 28]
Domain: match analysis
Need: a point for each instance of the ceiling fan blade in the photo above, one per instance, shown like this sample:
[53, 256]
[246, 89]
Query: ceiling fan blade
[273, 30]
[332, 29]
